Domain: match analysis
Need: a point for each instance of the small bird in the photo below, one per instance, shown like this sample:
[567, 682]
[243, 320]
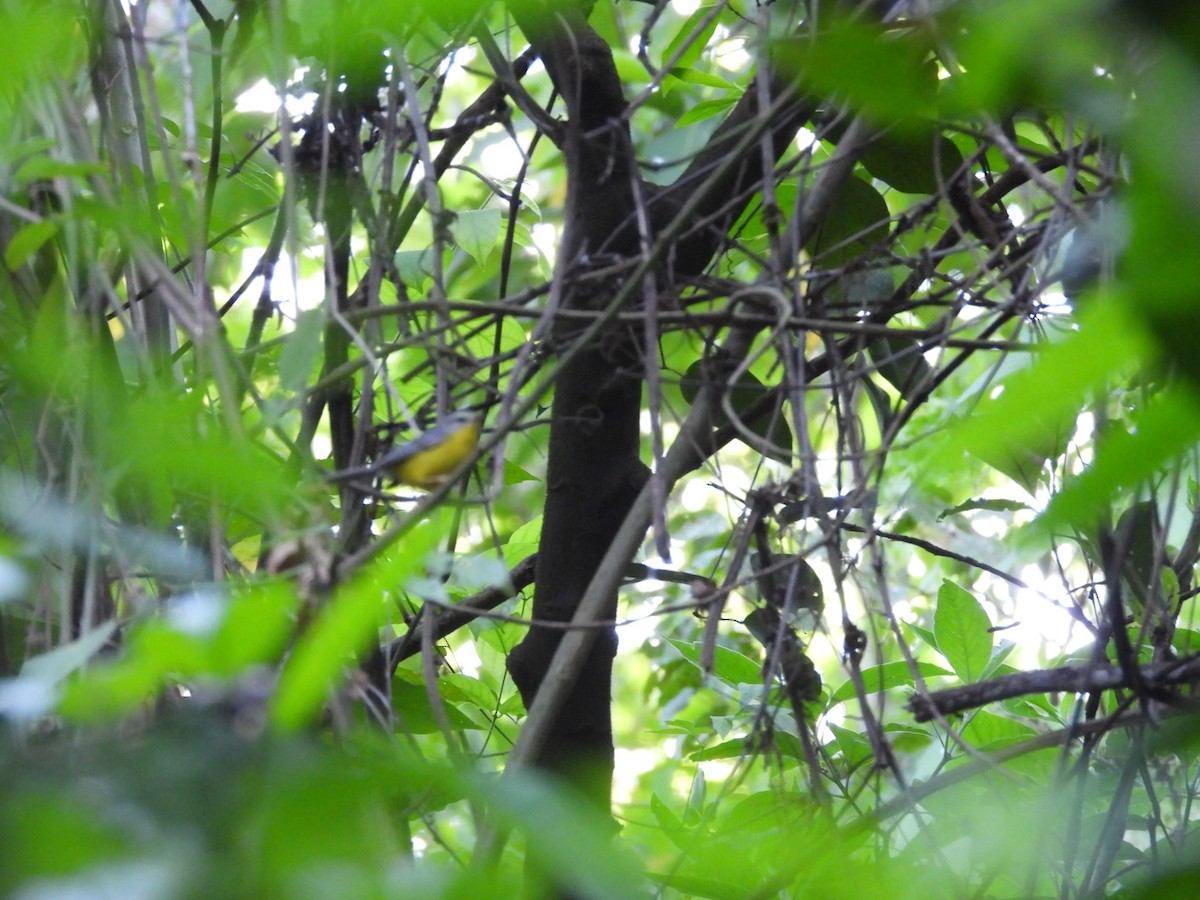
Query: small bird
[426, 460]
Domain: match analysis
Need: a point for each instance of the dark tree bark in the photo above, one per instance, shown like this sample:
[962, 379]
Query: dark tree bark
[594, 470]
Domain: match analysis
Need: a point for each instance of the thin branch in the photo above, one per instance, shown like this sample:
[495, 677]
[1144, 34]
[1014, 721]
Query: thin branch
[1157, 678]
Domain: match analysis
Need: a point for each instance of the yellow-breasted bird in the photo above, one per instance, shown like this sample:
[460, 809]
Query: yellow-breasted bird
[427, 459]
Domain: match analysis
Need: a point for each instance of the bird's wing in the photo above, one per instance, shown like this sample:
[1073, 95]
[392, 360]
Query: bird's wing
[409, 449]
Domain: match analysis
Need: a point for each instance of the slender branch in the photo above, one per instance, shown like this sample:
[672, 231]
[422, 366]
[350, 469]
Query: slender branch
[1156, 678]
[450, 619]
[930, 547]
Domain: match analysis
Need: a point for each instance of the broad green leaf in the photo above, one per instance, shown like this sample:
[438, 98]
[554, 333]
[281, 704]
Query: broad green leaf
[885, 677]
[984, 503]
[457, 687]
[348, 623]
[961, 625]
[514, 474]
[668, 822]
[853, 745]
[865, 290]
[731, 749]
[769, 425]
[527, 534]
[697, 76]
[1015, 431]
[1167, 427]
[415, 713]
[155, 652]
[301, 352]
[415, 267]
[477, 232]
[184, 448]
[733, 667]
[55, 665]
[558, 826]
[988, 731]
[705, 109]
[255, 627]
[202, 634]
[1002, 651]
[900, 361]
[28, 240]
[1006, 66]
[876, 73]
[858, 219]
[915, 163]
[687, 44]
[728, 665]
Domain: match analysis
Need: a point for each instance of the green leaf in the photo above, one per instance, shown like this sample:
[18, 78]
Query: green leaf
[731, 749]
[415, 267]
[854, 746]
[915, 163]
[734, 668]
[55, 665]
[705, 109]
[1018, 430]
[690, 46]
[666, 819]
[729, 665]
[45, 168]
[960, 626]
[415, 713]
[1168, 426]
[477, 232]
[776, 438]
[885, 677]
[200, 634]
[256, 627]
[301, 352]
[558, 826]
[875, 72]
[859, 218]
[900, 362]
[988, 731]
[986, 504]
[1000, 653]
[457, 688]
[28, 240]
[347, 624]
[696, 76]
[528, 533]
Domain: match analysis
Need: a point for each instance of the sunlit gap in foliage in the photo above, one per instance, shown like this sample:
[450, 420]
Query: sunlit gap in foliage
[1039, 611]
[669, 429]
[261, 97]
[1052, 302]
[290, 293]
[694, 496]
[459, 60]
[644, 598]
[545, 238]
[467, 660]
[731, 54]
[804, 139]
[631, 766]
[502, 161]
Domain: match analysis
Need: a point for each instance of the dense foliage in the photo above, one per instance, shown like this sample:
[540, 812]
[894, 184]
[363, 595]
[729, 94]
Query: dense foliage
[895, 300]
